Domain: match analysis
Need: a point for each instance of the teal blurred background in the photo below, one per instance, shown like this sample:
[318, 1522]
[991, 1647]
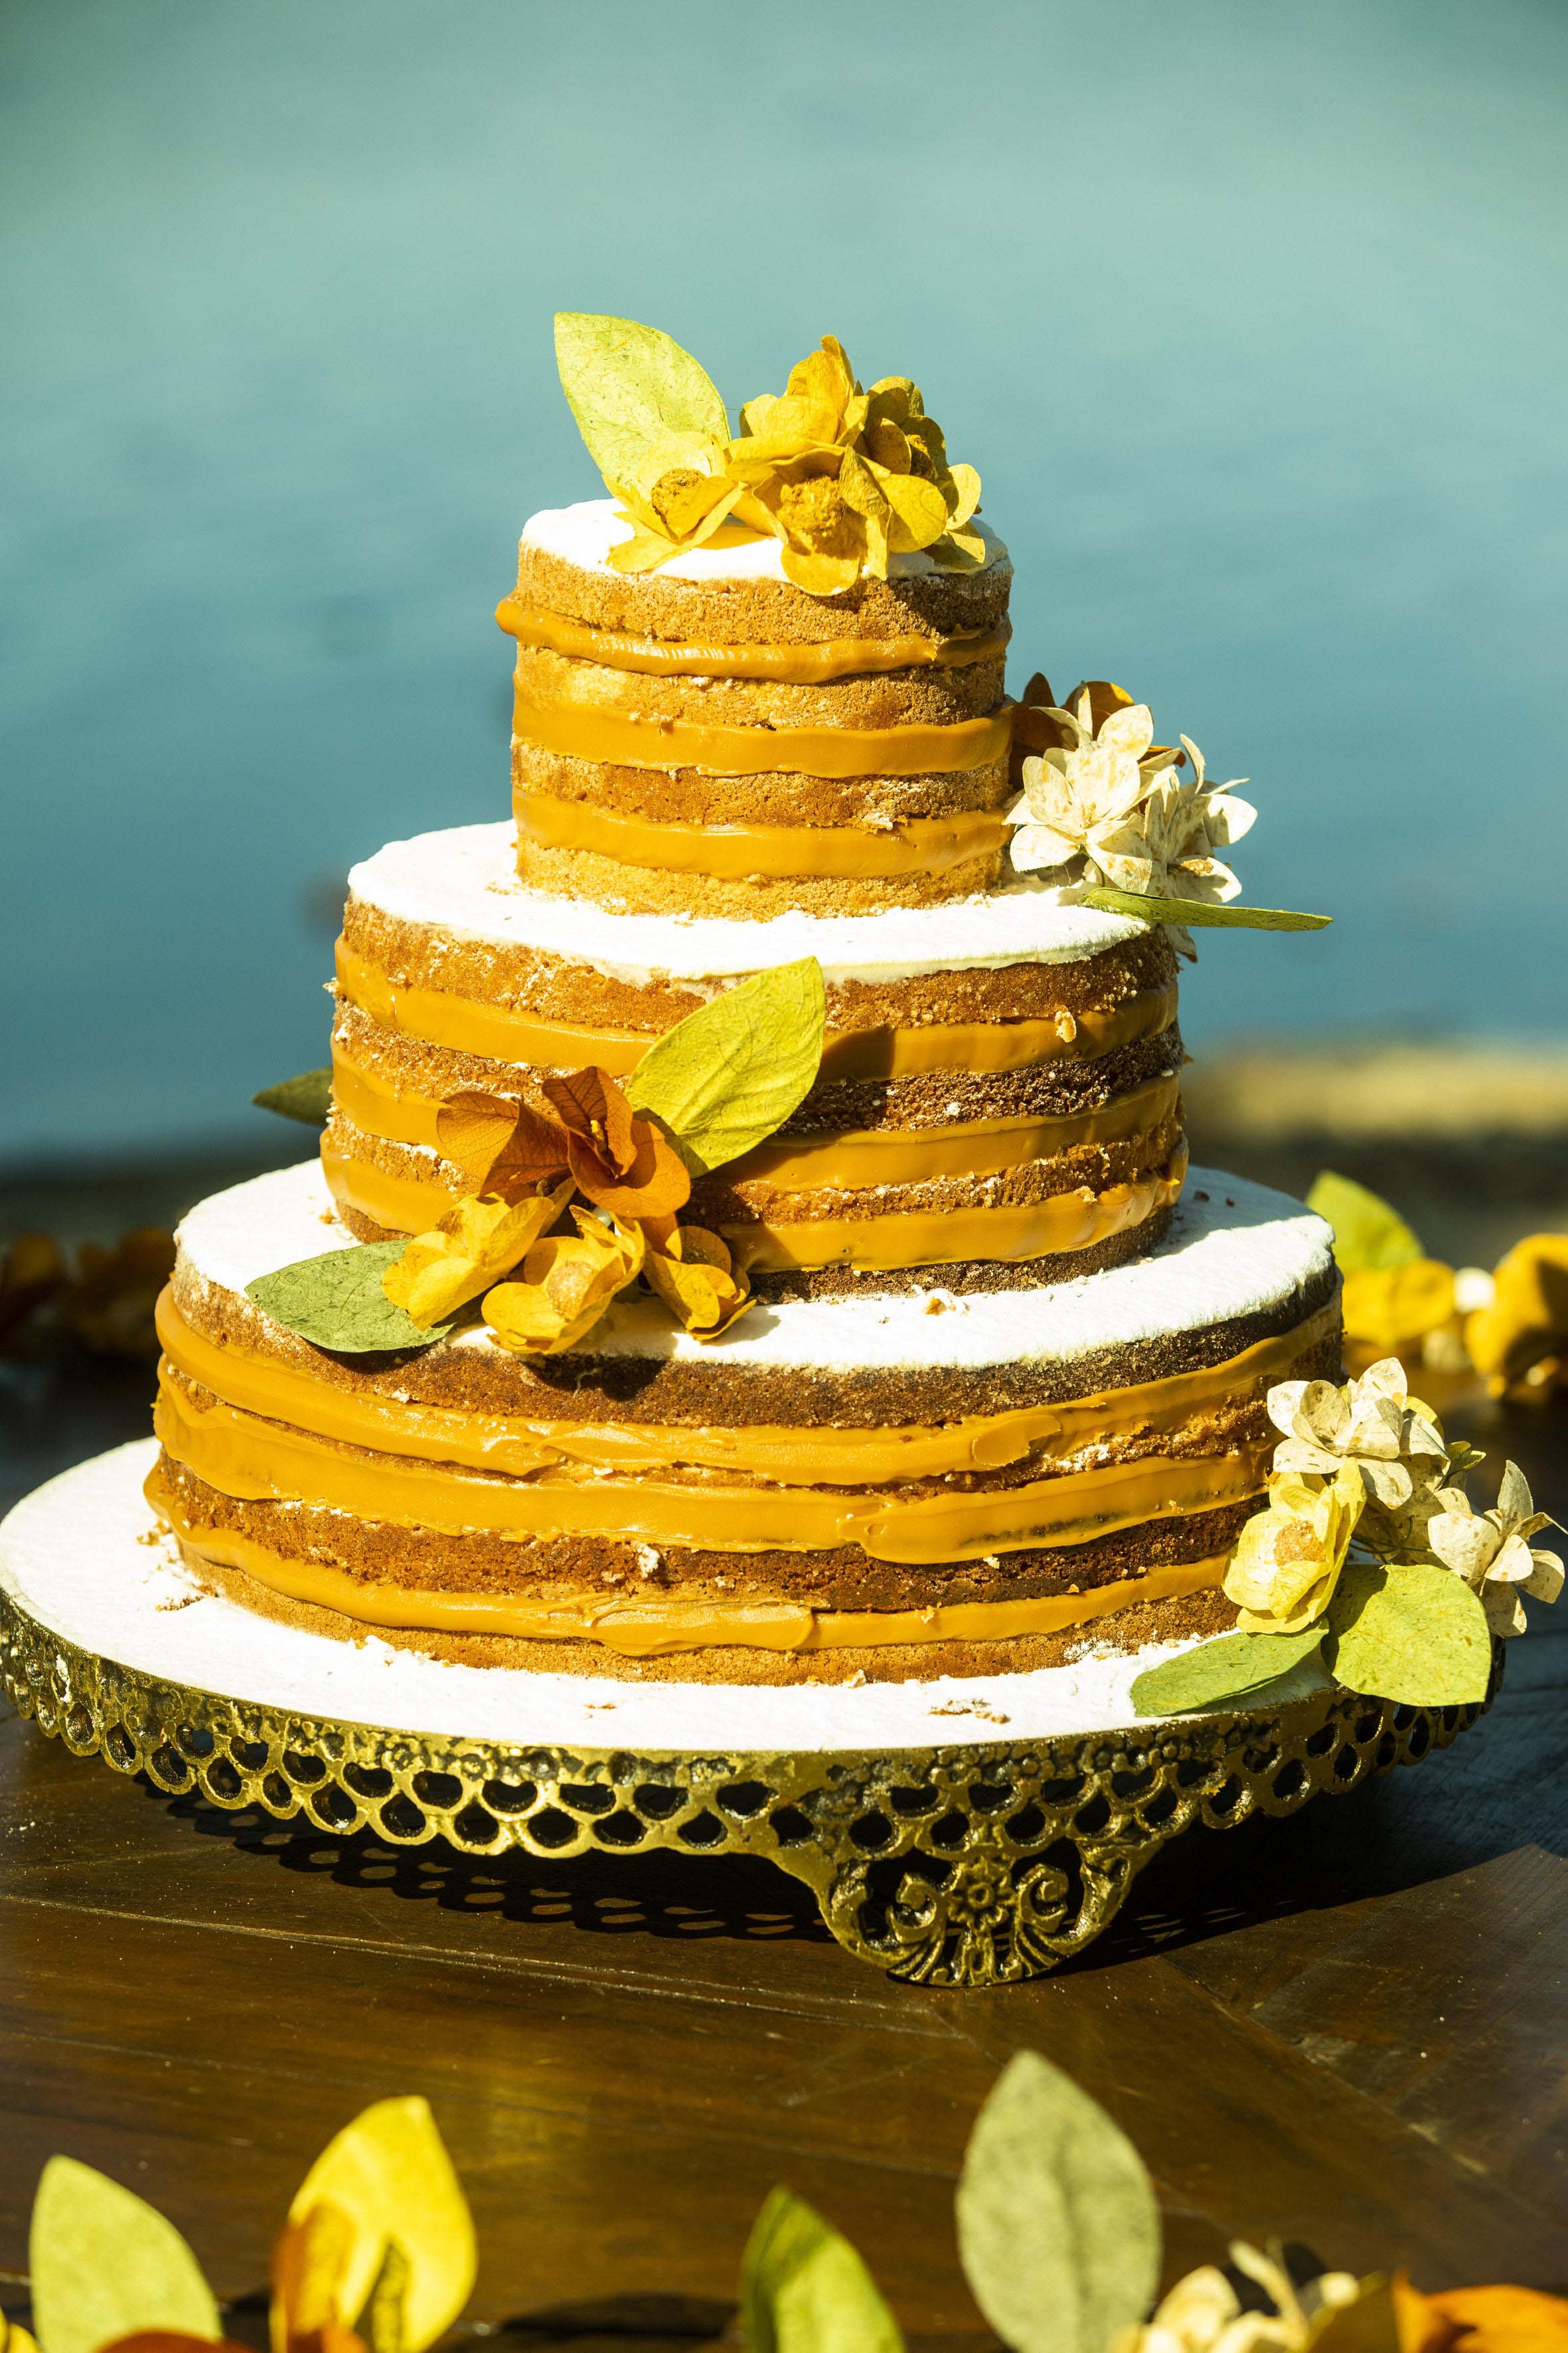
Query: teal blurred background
[1251, 317]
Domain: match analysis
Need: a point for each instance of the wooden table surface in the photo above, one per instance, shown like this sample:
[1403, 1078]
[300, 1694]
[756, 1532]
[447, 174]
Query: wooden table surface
[1345, 2028]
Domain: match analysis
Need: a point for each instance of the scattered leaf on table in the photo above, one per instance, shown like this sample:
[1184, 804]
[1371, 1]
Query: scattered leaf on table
[1368, 1233]
[1232, 1667]
[726, 1077]
[1198, 911]
[1058, 2230]
[1409, 1633]
[336, 1302]
[105, 2264]
[804, 2289]
[308, 1098]
[389, 2173]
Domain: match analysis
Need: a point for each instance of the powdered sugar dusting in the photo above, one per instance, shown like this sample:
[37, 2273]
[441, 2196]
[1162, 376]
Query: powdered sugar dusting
[1232, 1249]
[464, 882]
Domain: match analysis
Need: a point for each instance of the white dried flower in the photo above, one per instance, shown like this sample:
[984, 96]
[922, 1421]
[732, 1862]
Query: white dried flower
[1394, 1440]
[1107, 810]
[1077, 799]
[1203, 2312]
[1492, 1551]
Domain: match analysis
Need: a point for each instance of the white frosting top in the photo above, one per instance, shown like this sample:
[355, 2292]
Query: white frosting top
[1232, 1249]
[464, 882]
[85, 1556]
[585, 534]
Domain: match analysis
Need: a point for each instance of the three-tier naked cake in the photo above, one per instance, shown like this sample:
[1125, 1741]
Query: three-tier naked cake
[955, 1366]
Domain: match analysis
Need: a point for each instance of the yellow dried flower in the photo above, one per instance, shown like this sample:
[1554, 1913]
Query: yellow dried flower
[1288, 1556]
[1520, 1339]
[847, 478]
[694, 1273]
[1392, 1310]
[1204, 2314]
[473, 1245]
[568, 1280]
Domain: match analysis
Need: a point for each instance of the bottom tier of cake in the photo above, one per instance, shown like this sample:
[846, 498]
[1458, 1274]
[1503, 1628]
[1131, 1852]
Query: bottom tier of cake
[877, 1488]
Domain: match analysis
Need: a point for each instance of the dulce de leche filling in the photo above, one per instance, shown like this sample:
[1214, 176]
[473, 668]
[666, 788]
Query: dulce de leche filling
[1072, 1221]
[577, 731]
[638, 1629]
[793, 665]
[847, 1161]
[257, 1460]
[809, 1454]
[467, 1026]
[920, 845]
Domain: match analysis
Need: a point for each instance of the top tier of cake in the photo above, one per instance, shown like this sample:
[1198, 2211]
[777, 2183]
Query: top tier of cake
[709, 740]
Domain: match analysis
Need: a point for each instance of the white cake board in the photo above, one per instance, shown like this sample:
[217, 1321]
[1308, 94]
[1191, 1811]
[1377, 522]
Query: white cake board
[86, 1557]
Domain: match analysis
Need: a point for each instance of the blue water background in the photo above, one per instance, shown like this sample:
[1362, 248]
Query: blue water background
[1251, 316]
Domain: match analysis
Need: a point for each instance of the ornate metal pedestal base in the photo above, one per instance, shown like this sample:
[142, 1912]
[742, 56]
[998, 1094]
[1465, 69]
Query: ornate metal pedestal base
[969, 1866]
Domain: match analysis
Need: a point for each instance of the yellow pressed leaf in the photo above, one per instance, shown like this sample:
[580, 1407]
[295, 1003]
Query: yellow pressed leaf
[820, 576]
[695, 1275]
[967, 483]
[642, 404]
[722, 1079]
[920, 510]
[105, 2264]
[390, 2174]
[568, 1281]
[475, 1244]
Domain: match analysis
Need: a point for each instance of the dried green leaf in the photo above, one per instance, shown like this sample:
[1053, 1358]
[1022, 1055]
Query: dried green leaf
[1200, 912]
[1368, 1233]
[388, 2171]
[105, 2264]
[1231, 1667]
[642, 404]
[1058, 2230]
[308, 1098]
[726, 1077]
[804, 2289]
[1412, 1634]
[336, 1302]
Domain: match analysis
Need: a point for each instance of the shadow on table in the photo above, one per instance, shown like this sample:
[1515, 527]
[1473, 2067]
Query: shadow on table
[659, 1894]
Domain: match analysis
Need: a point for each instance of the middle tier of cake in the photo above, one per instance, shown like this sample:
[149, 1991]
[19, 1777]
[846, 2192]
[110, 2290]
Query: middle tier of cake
[999, 1096]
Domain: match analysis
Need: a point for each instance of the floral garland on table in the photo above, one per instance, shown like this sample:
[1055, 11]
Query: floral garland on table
[567, 1205]
[1369, 1555]
[843, 478]
[378, 2254]
[1509, 1325]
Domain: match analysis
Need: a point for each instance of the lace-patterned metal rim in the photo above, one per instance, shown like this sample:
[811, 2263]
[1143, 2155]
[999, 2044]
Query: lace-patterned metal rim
[980, 1864]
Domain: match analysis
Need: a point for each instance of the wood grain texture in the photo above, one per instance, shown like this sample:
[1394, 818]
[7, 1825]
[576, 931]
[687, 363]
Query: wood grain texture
[1346, 2029]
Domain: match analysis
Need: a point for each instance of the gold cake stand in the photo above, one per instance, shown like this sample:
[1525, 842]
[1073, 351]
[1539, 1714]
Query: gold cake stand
[975, 1864]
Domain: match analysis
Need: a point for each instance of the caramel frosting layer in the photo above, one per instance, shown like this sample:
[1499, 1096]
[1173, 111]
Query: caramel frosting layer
[257, 1460]
[468, 1026]
[848, 1161]
[807, 1455]
[649, 1628]
[1072, 1221]
[580, 732]
[790, 664]
[922, 845]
